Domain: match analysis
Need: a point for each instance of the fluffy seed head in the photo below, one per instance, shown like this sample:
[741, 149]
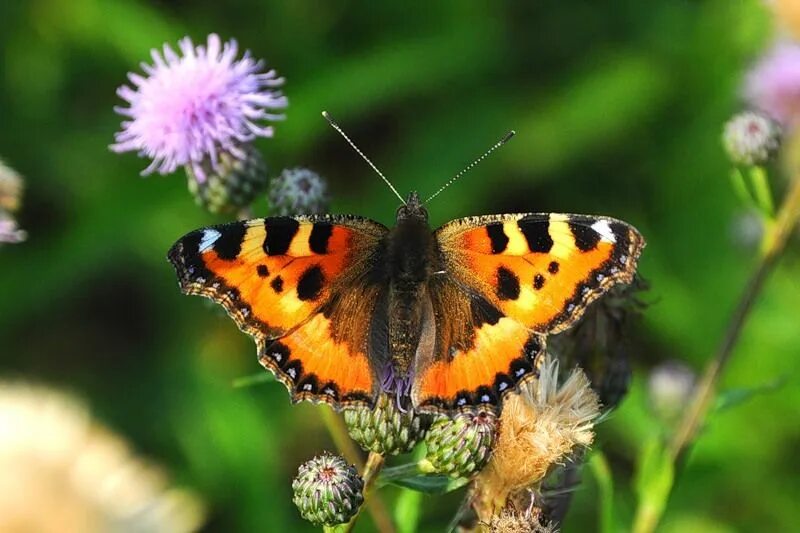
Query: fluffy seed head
[540, 427]
[191, 106]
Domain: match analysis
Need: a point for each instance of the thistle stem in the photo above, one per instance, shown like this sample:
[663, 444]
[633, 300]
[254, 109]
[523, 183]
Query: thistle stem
[343, 442]
[774, 243]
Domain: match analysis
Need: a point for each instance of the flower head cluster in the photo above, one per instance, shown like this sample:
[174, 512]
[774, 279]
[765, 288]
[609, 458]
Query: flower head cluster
[327, 490]
[10, 198]
[773, 85]
[191, 106]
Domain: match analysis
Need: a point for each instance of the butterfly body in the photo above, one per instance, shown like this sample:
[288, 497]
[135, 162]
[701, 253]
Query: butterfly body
[344, 309]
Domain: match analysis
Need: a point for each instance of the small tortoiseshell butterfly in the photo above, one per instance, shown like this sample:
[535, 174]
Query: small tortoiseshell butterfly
[343, 308]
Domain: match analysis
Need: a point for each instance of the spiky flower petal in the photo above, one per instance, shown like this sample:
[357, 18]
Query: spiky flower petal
[460, 445]
[327, 490]
[298, 191]
[751, 138]
[385, 429]
[189, 108]
[233, 185]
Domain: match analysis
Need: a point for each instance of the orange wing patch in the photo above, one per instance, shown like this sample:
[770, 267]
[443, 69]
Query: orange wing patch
[541, 270]
[275, 277]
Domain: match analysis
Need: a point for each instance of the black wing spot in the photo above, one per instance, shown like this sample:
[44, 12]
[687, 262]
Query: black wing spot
[497, 236]
[277, 284]
[294, 370]
[553, 267]
[320, 235]
[507, 284]
[483, 312]
[586, 238]
[310, 284]
[538, 281]
[309, 384]
[280, 232]
[537, 234]
[229, 244]
[279, 353]
[262, 271]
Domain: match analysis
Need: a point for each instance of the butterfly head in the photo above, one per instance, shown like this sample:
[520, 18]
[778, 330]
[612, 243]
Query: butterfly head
[412, 209]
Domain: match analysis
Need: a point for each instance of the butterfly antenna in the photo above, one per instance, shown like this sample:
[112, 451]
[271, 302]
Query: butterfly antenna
[335, 126]
[469, 167]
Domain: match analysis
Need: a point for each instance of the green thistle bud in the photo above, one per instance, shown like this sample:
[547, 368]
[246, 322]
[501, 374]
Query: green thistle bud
[460, 446]
[327, 490]
[234, 186]
[751, 138]
[298, 191]
[386, 429]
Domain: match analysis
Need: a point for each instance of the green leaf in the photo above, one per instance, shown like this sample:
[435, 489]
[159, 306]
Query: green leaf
[734, 397]
[605, 486]
[654, 478]
[253, 379]
[431, 484]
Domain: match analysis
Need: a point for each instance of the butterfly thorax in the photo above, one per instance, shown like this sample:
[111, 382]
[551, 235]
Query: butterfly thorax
[410, 260]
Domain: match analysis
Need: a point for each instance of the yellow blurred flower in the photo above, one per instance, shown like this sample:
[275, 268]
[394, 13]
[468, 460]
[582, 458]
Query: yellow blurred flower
[62, 471]
[787, 13]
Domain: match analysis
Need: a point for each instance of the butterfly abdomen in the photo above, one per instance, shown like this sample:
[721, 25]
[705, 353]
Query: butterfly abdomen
[411, 258]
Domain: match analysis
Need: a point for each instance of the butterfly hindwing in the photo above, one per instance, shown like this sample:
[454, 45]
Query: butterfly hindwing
[509, 280]
[290, 283]
[479, 354]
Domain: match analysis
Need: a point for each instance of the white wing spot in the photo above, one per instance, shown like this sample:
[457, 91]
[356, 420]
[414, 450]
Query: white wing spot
[210, 236]
[605, 231]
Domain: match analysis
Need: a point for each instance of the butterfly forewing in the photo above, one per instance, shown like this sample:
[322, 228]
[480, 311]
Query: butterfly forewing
[289, 283]
[512, 279]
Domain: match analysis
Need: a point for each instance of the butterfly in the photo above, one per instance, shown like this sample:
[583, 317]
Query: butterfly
[343, 309]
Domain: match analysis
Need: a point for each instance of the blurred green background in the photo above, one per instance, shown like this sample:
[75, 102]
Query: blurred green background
[618, 107]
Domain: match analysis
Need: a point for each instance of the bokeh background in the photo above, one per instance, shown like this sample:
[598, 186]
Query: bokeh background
[618, 108]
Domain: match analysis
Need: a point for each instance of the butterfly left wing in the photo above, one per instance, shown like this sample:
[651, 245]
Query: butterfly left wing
[511, 280]
[300, 287]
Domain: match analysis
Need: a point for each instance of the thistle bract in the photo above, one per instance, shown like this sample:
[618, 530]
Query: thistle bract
[327, 490]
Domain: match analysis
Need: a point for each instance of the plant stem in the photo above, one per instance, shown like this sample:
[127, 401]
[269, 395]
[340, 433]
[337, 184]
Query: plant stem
[370, 475]
[774, 243]
[348, 449]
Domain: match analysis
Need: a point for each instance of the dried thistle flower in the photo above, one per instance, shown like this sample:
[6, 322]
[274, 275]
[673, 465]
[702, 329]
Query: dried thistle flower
[188, 109]
[460, 445]
[327, 490]
[385, 429]
[298, 191]
[62, 471]
[512, 521]
[541, 426]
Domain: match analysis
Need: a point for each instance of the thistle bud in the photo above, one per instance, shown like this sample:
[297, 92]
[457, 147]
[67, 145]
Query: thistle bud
[298, 191]
[233, 184]
[461, 445]
[385, 429]
[327, 490]
[751, 138]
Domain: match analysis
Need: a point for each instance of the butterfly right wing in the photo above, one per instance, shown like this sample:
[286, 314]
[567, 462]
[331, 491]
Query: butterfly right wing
[301, 288]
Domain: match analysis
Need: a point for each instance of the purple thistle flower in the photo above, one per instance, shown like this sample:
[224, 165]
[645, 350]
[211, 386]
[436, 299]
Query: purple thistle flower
[773, 84]
[189, 108]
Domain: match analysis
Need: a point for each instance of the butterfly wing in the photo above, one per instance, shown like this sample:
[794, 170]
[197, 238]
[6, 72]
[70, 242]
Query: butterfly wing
[511, 280]
[300, 287]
